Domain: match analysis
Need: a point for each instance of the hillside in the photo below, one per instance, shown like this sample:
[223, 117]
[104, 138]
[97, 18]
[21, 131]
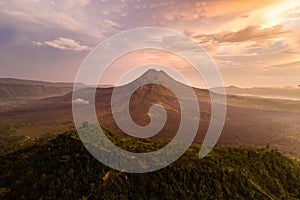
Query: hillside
[18, 89]
[63, 169]
[14, 81]
[249, 121]
[15, 92]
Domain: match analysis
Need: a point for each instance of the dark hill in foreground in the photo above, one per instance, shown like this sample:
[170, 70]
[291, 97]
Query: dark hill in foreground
[63, 169]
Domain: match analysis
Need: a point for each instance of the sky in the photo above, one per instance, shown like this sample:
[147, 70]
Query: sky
[253, 43]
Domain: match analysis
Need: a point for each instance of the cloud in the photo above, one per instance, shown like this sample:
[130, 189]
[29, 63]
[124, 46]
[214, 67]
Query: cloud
[64, 43]
[21, 15]
[111, 23]
[290, 65]
[80, 3]
[288, 70]
[52, 16]
[80, 101]
[238, 55]
[209, 11]
[250, 33]
[235, 34]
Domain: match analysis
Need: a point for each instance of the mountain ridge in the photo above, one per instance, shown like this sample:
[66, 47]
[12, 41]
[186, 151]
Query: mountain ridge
[249, 121]
[12, 89]
[17, 81]
[62, 169]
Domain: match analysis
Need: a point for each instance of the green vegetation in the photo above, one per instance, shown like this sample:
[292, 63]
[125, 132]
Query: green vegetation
[10, 141]
[63, 169]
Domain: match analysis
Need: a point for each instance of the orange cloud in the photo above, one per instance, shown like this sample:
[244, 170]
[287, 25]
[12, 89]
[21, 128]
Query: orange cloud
[65, 44]
[250, 33]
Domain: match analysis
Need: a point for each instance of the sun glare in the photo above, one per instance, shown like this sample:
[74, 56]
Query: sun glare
[279, 13]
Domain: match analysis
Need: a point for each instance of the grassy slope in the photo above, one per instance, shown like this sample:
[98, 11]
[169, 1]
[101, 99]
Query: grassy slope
[63, 169]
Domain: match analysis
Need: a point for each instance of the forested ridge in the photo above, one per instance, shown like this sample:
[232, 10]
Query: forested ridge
[63, 169]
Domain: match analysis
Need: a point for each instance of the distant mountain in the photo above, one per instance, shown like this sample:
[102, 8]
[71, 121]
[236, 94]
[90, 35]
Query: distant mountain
[63, 169]
[13, 81]
[288, 92]
[249, 121]
[18, 89]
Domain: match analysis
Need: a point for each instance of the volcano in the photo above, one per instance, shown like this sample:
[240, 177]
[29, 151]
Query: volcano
[148, 94]
[249, 121]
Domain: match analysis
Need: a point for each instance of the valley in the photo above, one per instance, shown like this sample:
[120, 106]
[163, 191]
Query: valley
[249, 121]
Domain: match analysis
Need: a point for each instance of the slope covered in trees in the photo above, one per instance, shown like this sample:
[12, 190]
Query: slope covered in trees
[63, 169]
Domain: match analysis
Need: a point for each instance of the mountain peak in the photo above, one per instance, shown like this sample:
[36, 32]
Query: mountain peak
[154, 72]
[155, 75]
[160, 77]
